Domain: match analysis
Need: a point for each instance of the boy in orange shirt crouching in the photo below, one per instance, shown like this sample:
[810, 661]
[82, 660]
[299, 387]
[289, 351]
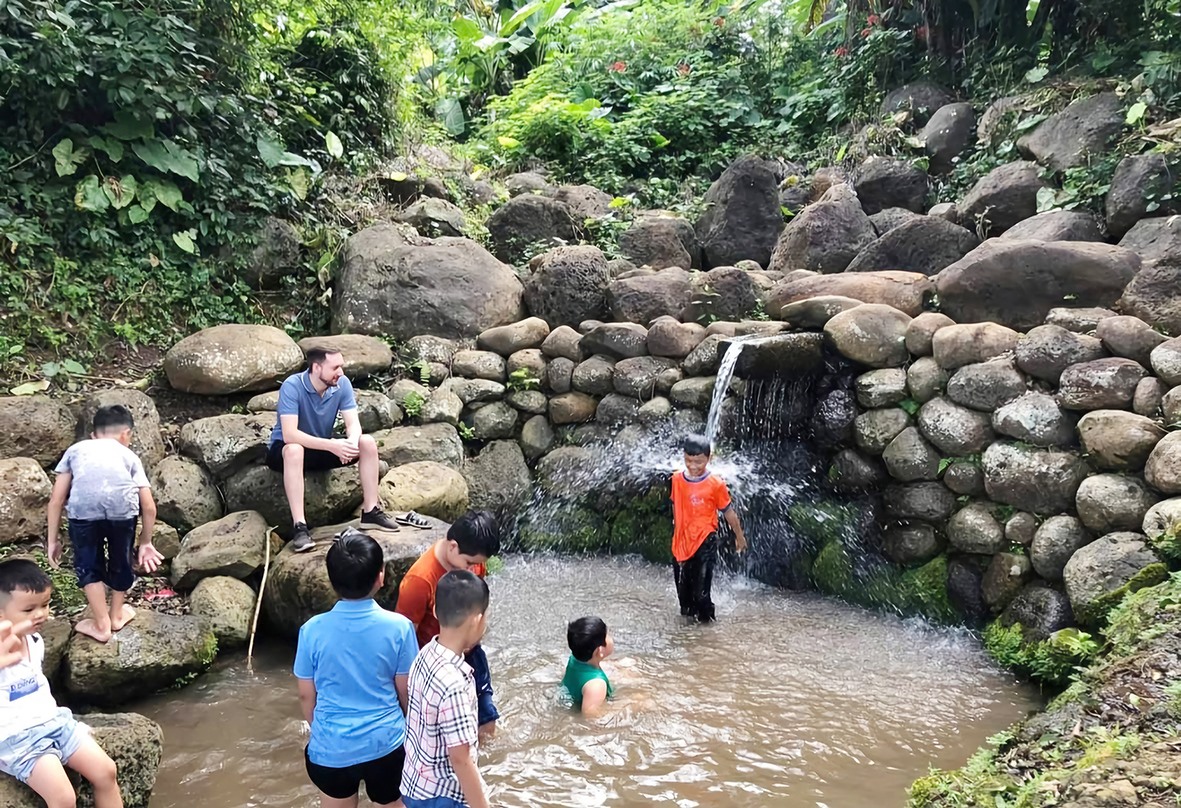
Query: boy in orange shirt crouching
[697, 498]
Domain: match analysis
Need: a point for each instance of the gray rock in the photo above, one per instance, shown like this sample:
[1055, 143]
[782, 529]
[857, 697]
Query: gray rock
[24, 495]
[442, 407]
[185, 494]
[975, 529]
[965, 478]
[563, 342]
[471, 391]
[1117, 440]
[276, 256]
[1006, 575]
[508, 339]
[1148, 400]
[427, 488]
[930, 502]
[529, 363]
[1139, 183]
[920, 334]
[1102, 567]
[1035, 418]
[232, 358]
[568, 285]
[1001, 199]
[925, 379]
[572, 408]
[825, 236]
[528, 220]
[497, 478]
[703, 360]
[1077, 134]
[526, 182]
[1166, 361]
[655, 411]
[1162, 517]
[584, 201]
[815, 312]
[910, 544]
[905, 291]
[225, 443]
[595, 376]
[329, 496]
[927, 245]
[1048, 350]
[949, 132]
[227, 605]
[851, 471]
[696, 392]
[781, 355]
[742, 219]
[537, 437]
[617, 340]
[1170, 406]
[1108, 503]
[375, 411]
[909, 458]
[1040, 611]
[965, 575]
[871, 334]
[660, 239]
[881, 388]
[643, 298]
[1020, 528]
[1054, 543]
[957, 345]
[434, 218]
[495, 421]
[667, 337]
[531, 402]
[1079, 319]
[1057, 225]
[956, 431]
[617, 410]
[1035, 480]
[833, 422]
[723, 293]
[921, 99]
[876, 428]
[1163, 468]
[430, 348]
[232, 546]
[1016, 283]
[986, 386]
[1157, 241]
[479, 365]
[559, 375]
[1129, 337]
[438, 443]
[881, 182]
[887, 219]
[1100, 384]
[146, 440]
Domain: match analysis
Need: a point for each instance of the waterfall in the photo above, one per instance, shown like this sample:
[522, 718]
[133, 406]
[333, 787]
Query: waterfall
[722, 381]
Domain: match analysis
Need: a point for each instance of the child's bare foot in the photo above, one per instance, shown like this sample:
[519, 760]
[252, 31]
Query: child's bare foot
[91, 629]
[126, 615]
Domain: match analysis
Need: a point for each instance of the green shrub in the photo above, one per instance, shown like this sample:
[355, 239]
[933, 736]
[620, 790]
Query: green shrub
[1052, 661]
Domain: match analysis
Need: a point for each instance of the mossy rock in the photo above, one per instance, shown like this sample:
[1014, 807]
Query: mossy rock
[1096, 612]
[1051, 661]
[824, 520]
[574, 528]
[644, 525]
[918, 591]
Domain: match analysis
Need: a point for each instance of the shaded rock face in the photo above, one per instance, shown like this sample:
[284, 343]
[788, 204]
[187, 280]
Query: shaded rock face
[926, 245]
[1055, 541]
[884, 183]
[1034, 480]
[922, 99]
[1040, 611]
[1001, 198]
[1140, 181]
[404, 286]
[1157, 241]
[329, 496]
[225, 443]
[1103, 566]
[826, 236]
[232, 358]
[905, 291]
[947, 134]
[1154, 296]
[528, 220]
[1057, 225]
[1079, 132]
[568, 285]
[1048, 350]
[1016, 283]
[146, 440]
[644, 298]
[742, 218]
[661, 240]
[24, 495]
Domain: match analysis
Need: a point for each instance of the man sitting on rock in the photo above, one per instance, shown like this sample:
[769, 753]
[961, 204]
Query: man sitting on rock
[309, 403]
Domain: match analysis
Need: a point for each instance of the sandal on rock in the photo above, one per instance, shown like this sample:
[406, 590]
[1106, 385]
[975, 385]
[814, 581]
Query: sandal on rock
[412, 519]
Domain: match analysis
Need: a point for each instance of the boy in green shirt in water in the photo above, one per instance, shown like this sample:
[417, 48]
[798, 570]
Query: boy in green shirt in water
[590, 643]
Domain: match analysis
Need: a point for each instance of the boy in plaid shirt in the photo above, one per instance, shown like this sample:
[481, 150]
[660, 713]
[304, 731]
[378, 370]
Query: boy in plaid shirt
[442, 723]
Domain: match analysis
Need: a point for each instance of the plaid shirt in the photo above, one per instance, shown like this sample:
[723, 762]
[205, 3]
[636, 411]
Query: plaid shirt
[442, 715]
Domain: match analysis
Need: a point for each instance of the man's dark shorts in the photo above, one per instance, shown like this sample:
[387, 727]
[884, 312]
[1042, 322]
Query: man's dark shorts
[313, 459]
[382, 777]
[103, 551]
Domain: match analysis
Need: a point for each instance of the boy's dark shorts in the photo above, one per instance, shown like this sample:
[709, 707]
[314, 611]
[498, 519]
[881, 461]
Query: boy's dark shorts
[382, 777]
[313, 459]
[103, 551]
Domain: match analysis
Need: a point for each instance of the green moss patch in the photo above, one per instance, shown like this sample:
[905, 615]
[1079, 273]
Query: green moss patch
[919, 591]
[1051, 661]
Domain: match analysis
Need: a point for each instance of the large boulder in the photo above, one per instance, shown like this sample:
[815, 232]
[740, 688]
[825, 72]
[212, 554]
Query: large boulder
[723, 293]
[434, 217]
[950, 131]
[185, 494]
[886, 220]
[35, 426]
[567, 285]
[1154, 296]
[1001, 198]
[742, 219]
[329, 496]
[1108, 503]
[152, 652]
[524, 222]
[401, 286]
[871, 334]
[1157, 241]
[882, 182]
[1166, 361]
[616, 340]
[1035, 418]
[926, 244]
[363, 355]
[1040, 611]
[920, 99]
[1129, 337]
[1137, 189]
[1055, 541]
[227, 605]
[1099, 570]
[1079, 133]
[659, 239]
[905, 291]
[585, 201]
[1048, 350]
[1163, 467]
[439, 443]
[298, 587]
[1016, 283]
[1057, 225]
[225, 443]
[428, 488]
[146, 440]
[276, 256]
[233, 546]
[508, 339]
[24, 496]
[825, 236]
[232, 358]
[498, 477]
[643, 298]
[132, 741]
[1035, 480]
[1101, 384]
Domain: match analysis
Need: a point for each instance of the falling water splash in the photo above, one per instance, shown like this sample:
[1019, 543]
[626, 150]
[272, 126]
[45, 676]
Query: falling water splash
[722, 381]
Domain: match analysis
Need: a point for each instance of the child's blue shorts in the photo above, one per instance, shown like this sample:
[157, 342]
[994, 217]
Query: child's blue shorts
[433, 802]
[59, 736]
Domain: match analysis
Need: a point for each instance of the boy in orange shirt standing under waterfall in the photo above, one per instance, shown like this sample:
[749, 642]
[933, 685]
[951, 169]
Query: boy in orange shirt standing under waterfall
[697, 498]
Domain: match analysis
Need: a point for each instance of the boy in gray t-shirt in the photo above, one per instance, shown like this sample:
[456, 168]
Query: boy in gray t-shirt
[107, 490]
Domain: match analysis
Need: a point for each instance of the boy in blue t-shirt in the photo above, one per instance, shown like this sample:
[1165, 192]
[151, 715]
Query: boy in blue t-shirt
[352, 664]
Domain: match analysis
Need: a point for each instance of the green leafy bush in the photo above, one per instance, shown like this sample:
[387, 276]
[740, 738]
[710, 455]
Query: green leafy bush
[1052, 661]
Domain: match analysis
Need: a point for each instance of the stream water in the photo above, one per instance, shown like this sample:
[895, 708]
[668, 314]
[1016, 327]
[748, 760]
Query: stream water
[788, 700]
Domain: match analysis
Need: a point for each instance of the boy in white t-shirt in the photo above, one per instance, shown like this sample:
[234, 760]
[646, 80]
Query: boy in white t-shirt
[38, 738]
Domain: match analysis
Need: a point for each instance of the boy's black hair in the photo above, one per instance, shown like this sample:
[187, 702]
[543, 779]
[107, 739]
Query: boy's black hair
[458, 595]
[316, 356]
[697, 445]
[586, 635]
[22, 575]
[477, 533]
[111, 417]
[354, 561]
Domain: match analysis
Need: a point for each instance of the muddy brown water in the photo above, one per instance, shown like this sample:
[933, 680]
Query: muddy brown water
[789, 700]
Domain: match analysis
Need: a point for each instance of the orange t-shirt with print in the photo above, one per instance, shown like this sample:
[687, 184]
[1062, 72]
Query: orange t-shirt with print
[416, 594]
[695, 511]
